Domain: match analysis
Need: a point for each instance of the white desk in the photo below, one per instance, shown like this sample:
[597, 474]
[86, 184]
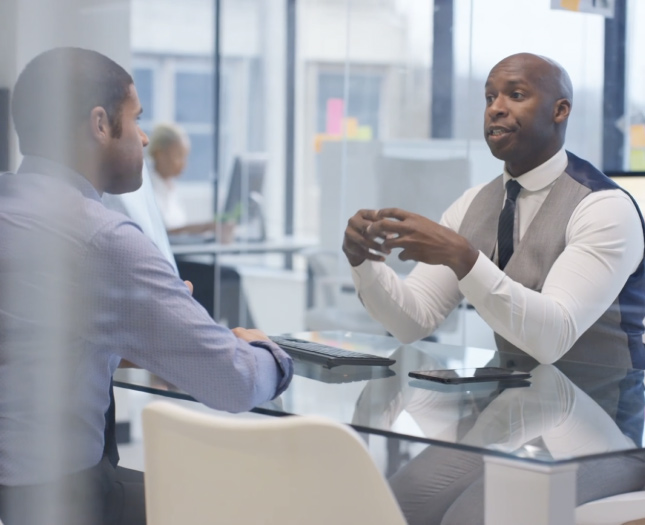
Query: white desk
[213, 251]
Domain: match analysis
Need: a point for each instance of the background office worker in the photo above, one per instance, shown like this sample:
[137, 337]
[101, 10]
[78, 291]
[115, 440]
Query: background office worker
[82, 288]
[574, 283]
[168, 150]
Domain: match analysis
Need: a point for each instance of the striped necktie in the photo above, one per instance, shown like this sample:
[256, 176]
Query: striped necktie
[506, 223]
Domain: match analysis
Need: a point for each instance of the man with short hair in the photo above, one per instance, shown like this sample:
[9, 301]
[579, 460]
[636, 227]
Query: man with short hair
[83, 288]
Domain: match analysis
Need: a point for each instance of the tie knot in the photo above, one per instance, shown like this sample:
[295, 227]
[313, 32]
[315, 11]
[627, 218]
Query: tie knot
[512, 189]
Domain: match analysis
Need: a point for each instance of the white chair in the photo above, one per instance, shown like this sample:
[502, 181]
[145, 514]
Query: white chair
[202, 468]
[614, 510]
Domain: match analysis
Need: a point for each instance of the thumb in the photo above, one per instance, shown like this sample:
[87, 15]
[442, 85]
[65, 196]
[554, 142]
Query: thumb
[189, 285]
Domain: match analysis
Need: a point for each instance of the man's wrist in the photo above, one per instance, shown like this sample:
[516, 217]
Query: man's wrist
[354, 260]
[465, 262]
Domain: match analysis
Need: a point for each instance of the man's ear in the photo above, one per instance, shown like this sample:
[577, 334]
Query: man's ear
[562, 110]
[100, 125]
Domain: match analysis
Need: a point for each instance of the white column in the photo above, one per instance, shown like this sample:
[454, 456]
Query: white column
[274, 29]
[528, 493]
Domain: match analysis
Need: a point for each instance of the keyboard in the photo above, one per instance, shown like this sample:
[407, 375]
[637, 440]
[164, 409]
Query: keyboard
[326, 355]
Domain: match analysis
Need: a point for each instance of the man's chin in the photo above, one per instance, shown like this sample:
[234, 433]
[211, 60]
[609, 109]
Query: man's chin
[126, 186]
[497, 151]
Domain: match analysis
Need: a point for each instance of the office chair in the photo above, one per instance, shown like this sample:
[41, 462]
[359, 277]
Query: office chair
[614, 510]
[202, 468]
[332, 301]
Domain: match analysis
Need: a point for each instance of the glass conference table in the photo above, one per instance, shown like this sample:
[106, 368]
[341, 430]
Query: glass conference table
[532, 434]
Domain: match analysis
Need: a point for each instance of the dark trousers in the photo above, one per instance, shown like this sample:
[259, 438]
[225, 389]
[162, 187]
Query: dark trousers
[102, 495]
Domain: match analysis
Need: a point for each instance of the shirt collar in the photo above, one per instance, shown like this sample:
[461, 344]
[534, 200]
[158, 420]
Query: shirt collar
[543, 175]
[35, 164]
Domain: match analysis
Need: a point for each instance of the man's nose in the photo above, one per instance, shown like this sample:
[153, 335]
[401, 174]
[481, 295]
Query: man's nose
[144, 138]
[498, 107]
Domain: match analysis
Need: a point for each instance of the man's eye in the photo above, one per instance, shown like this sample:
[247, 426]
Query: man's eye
[517, 95]
[489, 99]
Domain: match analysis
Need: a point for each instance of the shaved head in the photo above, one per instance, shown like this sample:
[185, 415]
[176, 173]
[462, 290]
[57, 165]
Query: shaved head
[528, 102]
[545, 72]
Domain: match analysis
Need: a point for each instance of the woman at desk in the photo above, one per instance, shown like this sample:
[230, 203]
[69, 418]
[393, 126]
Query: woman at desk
[169, 149]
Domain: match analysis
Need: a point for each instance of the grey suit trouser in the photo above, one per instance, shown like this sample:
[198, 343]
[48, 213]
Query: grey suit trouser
[446, 487]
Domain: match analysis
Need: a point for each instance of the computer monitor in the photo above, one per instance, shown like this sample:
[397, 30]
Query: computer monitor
[633, 182]
[244, 196]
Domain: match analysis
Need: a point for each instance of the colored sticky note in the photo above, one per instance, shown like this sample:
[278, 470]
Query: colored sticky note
[335, 108]
[321, 138]
[637, 135]
[364, 133]
[351, 127]
[571, 5]
[637, 160]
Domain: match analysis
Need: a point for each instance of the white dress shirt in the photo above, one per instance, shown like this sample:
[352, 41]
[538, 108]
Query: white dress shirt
[170, 206]
[604, 245]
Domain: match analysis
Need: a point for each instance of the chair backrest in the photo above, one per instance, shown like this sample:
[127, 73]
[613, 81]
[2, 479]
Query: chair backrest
[202, 468]
[323, 267]
[332, 302]
[614, 510]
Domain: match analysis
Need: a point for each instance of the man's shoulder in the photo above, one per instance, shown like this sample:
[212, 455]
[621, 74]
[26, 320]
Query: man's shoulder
[106, 222]
[586, 174]
[47, 199]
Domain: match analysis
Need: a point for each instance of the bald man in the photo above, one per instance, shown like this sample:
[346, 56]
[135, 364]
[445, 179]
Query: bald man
[569, 282]
[565, 280]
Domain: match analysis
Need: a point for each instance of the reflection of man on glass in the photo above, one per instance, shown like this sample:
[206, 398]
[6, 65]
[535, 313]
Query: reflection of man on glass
[550, 253]
[553, 418]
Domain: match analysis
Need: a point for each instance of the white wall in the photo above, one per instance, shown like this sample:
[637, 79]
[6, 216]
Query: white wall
[29, 27]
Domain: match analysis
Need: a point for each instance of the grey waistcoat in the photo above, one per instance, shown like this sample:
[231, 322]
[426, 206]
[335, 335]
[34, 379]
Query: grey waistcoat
[615, 338]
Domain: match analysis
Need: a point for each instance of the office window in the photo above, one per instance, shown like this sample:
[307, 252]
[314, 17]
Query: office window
[193, 97]
[200, 162]
[144, 80]
[257, 122]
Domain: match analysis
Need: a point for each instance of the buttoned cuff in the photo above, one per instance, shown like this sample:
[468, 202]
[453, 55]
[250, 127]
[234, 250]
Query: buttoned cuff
[366, 273]
[483, 277]
[282, 359]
